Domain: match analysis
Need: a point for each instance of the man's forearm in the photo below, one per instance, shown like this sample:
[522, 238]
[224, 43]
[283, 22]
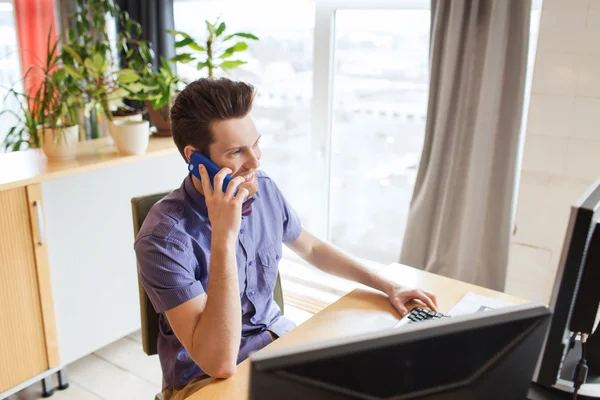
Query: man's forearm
[331, 260]
[218, 333]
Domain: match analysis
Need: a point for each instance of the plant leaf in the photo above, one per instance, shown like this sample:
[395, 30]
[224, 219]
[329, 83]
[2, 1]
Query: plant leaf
[135, 87]
[175, 32]
[98, 61]
[183, 42]
[196, 46]
[73, 53]
[201, 64]
[91, 67]
[118, 94]
[220, 29]
[232, 64]
[241, 34]
[183, 58]
[210, 27]
[73, 72]
[239, 46]
[127, 75]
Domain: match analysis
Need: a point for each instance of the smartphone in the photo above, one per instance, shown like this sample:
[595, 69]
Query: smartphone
[211, 168]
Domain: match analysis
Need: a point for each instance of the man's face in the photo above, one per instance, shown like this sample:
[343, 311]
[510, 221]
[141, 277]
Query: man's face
[236, 147]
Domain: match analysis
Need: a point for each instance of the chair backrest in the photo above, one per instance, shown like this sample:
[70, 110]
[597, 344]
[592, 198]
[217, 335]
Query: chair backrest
[140, 206]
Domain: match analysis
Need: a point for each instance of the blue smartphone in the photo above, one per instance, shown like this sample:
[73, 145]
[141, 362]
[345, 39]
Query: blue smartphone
[211, 168]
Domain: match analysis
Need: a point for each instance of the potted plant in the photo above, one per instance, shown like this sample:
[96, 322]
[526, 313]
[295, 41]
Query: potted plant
[216, 52]
[88, 56]
[161, 87]
[47, 116]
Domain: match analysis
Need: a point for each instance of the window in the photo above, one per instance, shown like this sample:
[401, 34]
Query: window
[9, 66]
[343, 87]
[380, 85]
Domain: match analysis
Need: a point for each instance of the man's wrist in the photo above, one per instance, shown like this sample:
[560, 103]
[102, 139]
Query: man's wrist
[387, 286]
[223, 241]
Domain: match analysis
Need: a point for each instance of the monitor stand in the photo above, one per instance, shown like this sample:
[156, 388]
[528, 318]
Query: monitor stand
[538, 392]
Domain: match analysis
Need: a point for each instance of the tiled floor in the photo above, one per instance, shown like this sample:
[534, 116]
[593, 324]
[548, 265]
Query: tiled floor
[118, 371]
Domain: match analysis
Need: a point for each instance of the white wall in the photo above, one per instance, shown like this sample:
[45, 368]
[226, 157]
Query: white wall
[562, 146]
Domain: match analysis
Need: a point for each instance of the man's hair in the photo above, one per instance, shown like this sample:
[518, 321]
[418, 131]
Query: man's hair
[204, 102]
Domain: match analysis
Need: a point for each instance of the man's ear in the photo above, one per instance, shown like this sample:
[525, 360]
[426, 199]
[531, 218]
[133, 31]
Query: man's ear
[188, 151]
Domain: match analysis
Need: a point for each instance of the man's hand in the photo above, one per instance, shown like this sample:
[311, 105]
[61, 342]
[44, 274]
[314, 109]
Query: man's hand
[399, 296]
[224, 209]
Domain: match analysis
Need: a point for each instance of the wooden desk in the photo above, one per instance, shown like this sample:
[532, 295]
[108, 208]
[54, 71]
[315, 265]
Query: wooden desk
[361, 311]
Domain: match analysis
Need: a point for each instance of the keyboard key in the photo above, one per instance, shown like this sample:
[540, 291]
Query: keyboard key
[419, 314]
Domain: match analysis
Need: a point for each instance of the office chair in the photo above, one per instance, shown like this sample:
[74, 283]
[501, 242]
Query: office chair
[140, 206]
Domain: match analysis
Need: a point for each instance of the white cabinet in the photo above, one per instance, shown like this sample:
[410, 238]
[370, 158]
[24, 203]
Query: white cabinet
[90, 249]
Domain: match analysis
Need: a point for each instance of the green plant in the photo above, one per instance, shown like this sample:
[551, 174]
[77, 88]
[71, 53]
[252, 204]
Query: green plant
[160, 86]
[23, 134]
[216, 53]
[87, 55]
[51, 105]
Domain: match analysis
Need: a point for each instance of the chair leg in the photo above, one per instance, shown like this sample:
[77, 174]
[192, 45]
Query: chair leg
[47, 389]
[62, 379]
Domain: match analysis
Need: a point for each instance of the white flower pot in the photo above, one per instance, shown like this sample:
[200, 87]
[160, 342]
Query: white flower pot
[59, 143]
[131, 137]
[108, 126]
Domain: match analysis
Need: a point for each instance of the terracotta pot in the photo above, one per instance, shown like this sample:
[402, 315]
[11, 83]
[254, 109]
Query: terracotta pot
[160, 119]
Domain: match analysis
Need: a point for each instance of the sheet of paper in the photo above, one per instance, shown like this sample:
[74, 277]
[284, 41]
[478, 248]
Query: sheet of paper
[472, 303]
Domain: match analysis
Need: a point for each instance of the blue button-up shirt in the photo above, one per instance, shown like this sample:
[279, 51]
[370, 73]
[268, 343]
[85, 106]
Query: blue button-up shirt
[173, 253]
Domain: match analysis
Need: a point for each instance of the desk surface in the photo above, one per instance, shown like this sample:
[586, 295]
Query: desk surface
[31, 166]
[361, 311]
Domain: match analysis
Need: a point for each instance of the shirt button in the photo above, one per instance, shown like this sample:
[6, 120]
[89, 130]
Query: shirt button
[241, 231]
[252, 293]
[250, 263]
[277, 257]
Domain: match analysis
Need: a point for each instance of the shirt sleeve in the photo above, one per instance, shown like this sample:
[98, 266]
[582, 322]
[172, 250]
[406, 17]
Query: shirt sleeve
[167, 272]
[291, 222]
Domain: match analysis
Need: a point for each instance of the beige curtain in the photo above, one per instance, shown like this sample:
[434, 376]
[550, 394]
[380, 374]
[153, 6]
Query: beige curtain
[460, 216]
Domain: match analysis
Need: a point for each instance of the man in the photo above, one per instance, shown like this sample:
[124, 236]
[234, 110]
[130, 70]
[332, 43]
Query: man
[209, 260]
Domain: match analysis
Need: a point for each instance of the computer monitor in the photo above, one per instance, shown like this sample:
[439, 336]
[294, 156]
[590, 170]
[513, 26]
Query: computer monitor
[489, 355]
[574, 301]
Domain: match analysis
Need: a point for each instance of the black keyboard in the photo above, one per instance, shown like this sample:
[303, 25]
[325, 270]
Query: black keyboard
[419, 314]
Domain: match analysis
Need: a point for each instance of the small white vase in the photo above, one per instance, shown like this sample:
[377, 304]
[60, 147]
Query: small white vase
[60, 143]
[107, 126]
[131, 137]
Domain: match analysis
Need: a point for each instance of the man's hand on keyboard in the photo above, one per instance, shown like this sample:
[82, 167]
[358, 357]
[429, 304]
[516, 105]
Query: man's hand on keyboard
[400, 295]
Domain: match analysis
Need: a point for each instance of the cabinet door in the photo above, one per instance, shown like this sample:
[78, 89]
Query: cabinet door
[23, 351]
